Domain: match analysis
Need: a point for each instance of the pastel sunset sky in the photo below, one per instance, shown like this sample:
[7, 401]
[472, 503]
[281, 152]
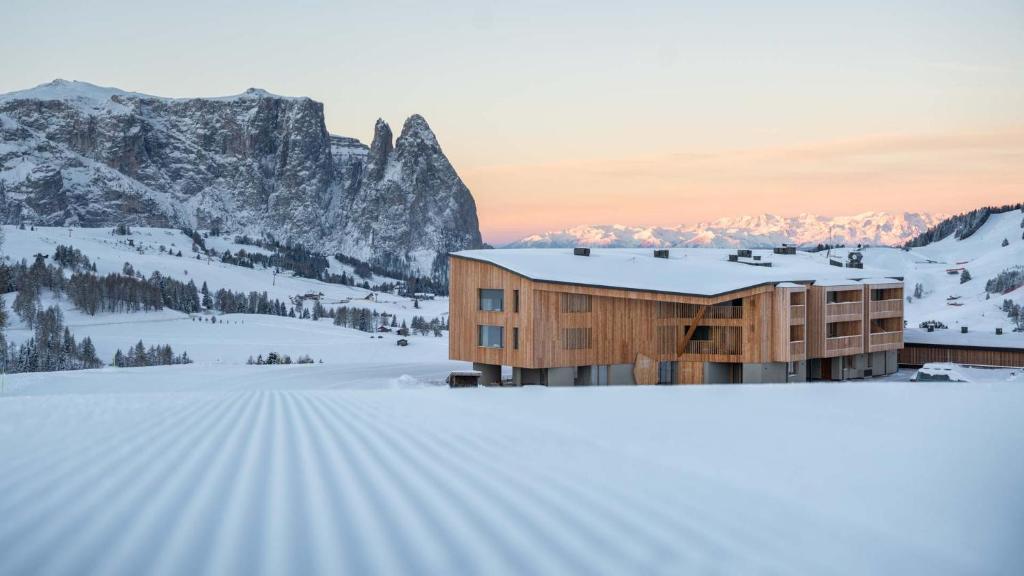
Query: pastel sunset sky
[565, 113]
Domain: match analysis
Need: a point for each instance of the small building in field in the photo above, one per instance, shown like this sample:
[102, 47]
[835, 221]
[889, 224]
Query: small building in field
[689, 316]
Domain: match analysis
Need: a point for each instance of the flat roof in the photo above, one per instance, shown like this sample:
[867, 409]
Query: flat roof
[687, 271]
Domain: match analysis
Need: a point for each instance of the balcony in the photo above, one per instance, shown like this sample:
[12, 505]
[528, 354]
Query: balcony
[797, 314]
[841, 345]
[885, 340]
[892, 307]
[797, 349]
[711, 347]
[723, 312]
[844, 311]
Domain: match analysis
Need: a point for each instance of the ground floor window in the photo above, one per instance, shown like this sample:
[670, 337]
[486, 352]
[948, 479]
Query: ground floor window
[667, 372]
[492, 336]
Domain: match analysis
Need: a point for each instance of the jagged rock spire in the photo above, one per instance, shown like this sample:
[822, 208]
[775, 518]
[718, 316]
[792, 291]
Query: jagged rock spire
[380, 149]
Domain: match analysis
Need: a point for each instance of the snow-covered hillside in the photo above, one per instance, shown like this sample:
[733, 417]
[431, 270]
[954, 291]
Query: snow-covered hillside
[235, 336]
[945, 299]
[766, 230]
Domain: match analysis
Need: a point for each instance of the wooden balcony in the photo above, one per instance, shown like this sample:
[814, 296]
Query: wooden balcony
[711, 347]
[886, 308]
[840, 311]
[797, 314]
[797, 350]
[885, 341]
[724, 312]
[843, 345]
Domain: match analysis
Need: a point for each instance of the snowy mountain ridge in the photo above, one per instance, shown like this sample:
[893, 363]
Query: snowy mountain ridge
[765, 230]
[76, 154]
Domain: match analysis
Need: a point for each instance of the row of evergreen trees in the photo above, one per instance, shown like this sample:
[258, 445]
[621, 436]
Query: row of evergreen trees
[1006, 281]
[961, 226]
[138, 355]
[51, 347]
[1016, 314]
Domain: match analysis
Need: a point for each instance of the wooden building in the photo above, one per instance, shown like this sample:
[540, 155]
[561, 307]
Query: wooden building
[689, 316]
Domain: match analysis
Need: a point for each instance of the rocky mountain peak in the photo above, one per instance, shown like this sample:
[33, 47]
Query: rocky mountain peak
[417, 132]
[380, 149]
[72, 153]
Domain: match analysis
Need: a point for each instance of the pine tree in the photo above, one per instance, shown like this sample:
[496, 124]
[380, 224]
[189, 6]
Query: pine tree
[1005, 242]
[965, 276]
[207, 300]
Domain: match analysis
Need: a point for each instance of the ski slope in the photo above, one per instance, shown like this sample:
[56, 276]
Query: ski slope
[984, 257]
[268, 470]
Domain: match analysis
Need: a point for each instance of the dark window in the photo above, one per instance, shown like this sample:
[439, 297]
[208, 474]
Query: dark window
[515, 338]
[492, 300]
[666, 372]
[492, 336]
[833, 330]
[832, 297]
[702, 333]
[515, 301]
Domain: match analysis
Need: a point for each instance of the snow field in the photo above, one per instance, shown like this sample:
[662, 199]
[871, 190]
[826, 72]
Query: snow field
[276, 476]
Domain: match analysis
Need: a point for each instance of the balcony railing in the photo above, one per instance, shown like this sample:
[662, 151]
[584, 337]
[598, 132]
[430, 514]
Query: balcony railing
[797, 313]
[711, 347]
[844, 343]
[843, 309]
[797, 348]
[886, 306]
[886, 338]
[724, 312]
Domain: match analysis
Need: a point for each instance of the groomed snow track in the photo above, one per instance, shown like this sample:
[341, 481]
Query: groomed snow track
[422, 481]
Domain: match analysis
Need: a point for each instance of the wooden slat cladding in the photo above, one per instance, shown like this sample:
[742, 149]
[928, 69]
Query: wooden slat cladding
[667, 338]
[576, 338]
[577, 325]
[577, 303]
[919, 354]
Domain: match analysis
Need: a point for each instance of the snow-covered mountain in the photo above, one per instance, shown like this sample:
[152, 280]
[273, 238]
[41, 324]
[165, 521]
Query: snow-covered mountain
[875, 228]
[72, 153]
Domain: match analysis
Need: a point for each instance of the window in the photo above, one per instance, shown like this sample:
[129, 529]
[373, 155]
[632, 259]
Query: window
[833, 330]
[492, 336]
[515, 338]
[701, 333]
[515, 301]
[576, 338]
[793, 368]
[576, 303]
[832, 297]
[492, 300]
[666, 372]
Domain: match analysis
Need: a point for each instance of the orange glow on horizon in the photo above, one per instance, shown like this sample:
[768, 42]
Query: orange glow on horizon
[939, 173]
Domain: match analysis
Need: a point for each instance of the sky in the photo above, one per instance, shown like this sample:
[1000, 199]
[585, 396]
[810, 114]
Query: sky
[564, 113]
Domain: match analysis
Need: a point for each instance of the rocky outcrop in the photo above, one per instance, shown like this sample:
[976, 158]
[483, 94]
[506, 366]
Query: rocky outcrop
[76, 154]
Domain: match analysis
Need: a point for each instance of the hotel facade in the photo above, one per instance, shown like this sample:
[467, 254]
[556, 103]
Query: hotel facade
[688, 316]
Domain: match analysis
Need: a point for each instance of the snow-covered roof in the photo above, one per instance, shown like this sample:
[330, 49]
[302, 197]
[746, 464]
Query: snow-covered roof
[688, 271]
[953, 337]
[836, 281]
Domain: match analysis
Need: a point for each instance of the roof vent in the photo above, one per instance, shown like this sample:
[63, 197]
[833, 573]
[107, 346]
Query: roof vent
[785, 249]
[581, 251]
[661, 253]
[855, 260]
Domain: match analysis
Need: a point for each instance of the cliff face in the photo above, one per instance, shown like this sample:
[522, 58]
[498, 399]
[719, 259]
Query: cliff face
[76, 154]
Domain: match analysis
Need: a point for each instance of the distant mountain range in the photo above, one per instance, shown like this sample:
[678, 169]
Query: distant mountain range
[875, 228]
[75, 154]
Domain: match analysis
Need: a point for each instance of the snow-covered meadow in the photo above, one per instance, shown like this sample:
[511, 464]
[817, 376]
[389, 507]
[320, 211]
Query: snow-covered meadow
[367, 463]
[207, 469]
